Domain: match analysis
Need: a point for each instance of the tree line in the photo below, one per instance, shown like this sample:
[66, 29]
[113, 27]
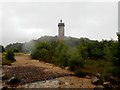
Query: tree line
[71, 52]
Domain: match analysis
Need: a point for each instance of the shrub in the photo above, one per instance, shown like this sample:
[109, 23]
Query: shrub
[10, 55]
[16, 50]
[41, 51]
[61, 54]
[55, 52]
[75, 61]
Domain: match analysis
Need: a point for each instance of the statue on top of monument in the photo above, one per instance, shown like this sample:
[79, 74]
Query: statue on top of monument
[61, 20]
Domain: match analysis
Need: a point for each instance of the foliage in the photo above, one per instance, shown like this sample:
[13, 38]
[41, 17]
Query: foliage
[55, 52]
[5, 61]
[10, 55]
[73, 52]
[108, 52]
[16, 50]
[14, 46]
[61, 54]
[41, 51]
[116, 57]
[75, 61]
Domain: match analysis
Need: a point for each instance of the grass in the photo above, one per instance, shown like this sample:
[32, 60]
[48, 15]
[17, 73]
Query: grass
[20, 54]
[94, 66]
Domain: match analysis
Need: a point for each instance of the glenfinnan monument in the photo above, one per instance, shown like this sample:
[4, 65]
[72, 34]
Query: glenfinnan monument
[61, 30]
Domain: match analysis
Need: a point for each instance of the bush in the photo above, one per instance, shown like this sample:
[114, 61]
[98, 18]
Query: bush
[75, 61]
[55, 52]
[10, 55]
[41, 51]
[16, 50]
[61, 54]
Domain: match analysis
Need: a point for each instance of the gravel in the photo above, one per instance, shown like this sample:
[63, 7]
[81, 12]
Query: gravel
[28, 74]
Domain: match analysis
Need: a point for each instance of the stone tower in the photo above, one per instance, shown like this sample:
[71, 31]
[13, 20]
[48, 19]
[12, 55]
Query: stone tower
[61, 30]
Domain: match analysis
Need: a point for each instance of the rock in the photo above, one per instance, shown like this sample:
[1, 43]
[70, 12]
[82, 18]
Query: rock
[46, 70]
[13, 80]
[95, 81]
[67, 68]
[98, 75]
[71, 83]
[107, 84]
[61, 82]
[88, 77]
[114, 79]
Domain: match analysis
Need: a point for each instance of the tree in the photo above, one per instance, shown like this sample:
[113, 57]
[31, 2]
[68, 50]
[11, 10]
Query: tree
[13, 46]
[108, 52]
[116, 57]
[118, 47]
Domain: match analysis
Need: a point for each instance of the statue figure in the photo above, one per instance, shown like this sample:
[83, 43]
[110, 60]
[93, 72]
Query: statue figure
[61, 20]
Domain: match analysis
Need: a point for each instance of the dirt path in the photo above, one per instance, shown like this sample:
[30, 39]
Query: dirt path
[25, 60]
[62, 82]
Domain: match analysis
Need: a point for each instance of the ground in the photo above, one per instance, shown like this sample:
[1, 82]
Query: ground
[61, 82]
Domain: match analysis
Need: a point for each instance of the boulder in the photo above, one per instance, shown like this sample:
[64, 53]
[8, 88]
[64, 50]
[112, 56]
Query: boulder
[88, 77]
[67, 68]
[114, 80]
[107, 84]
[95, 81]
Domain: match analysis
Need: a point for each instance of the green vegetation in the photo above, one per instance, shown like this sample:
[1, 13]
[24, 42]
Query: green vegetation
[5, 61]
[10, 55]
[8, 58]
[75, 61]
[41, 51]
[80, 55]
[55, 52]
[116, 58]
[95, 66]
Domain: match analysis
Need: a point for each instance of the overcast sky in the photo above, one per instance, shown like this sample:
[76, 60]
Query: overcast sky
[24, 21]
